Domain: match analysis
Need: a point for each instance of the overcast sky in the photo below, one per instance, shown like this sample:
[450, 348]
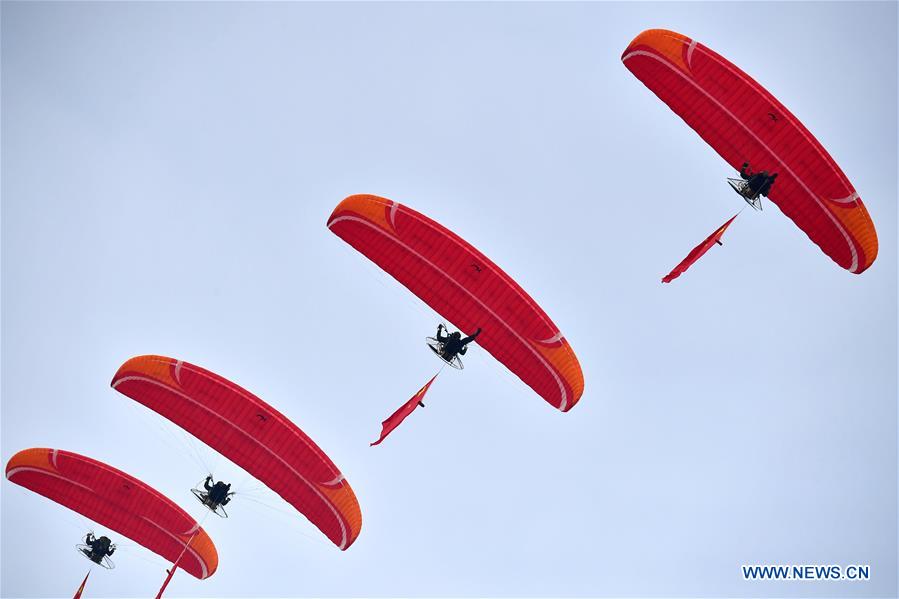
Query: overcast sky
[167, 173]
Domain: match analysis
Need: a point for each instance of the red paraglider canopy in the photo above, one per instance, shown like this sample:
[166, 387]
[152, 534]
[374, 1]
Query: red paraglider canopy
[465, 287]
[744, 122]
[249, 432]
[116, 501]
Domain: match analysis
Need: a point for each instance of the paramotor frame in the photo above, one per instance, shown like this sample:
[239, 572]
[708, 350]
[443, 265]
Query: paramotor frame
[85, 551]
[741, 186]
[203, 497]
[437, 347]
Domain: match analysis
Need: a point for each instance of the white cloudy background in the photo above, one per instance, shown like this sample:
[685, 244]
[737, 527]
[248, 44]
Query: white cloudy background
[167, 173]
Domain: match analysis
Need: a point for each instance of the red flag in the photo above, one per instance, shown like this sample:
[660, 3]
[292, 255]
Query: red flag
[81, 588]
[407, 408]
[698, 251]
[169, 573]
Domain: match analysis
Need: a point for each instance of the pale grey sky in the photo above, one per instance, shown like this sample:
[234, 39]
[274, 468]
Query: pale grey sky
[167, 172]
